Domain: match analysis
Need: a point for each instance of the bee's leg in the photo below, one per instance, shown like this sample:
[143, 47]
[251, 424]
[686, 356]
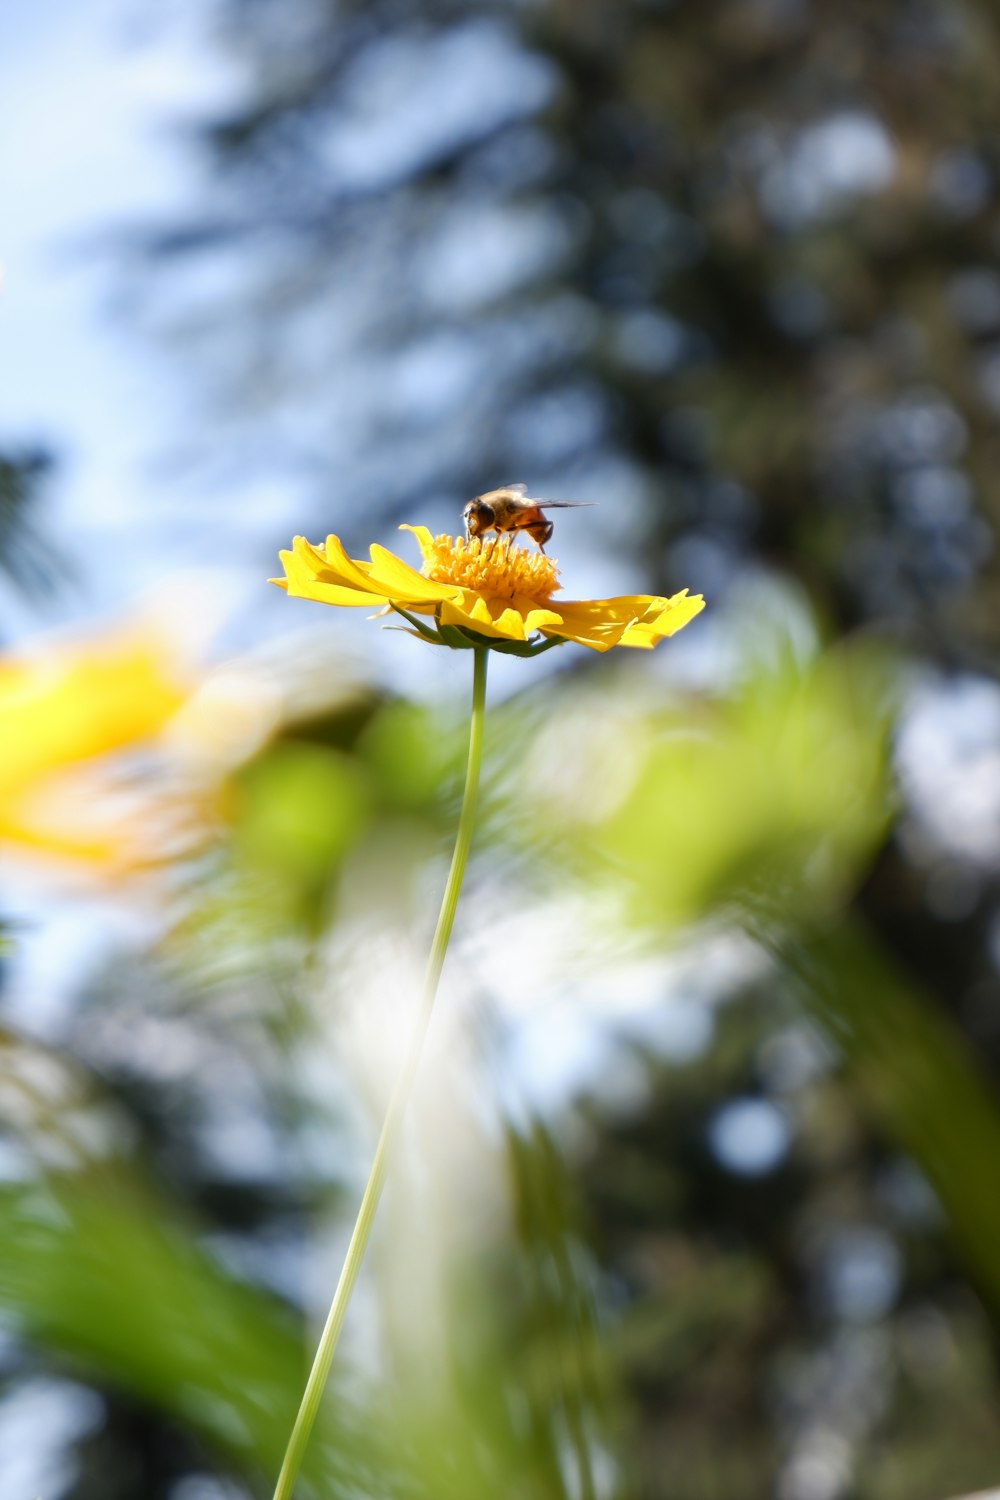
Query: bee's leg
[540, 532]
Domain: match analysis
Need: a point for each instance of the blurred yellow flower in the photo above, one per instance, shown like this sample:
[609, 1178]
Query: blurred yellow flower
[59, 712]
[483, 592]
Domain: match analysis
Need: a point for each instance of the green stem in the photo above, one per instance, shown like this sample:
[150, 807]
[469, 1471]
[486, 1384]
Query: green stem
[313, 1395]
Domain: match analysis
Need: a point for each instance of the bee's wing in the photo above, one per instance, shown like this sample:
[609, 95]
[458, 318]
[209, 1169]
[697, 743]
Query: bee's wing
[562, 504]
[515, 489]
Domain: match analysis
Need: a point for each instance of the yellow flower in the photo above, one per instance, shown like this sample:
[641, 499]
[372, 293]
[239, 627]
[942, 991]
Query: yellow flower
[59, 713]
[483, 592]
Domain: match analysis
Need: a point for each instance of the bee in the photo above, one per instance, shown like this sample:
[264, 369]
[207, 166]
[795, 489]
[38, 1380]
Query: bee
[511, 509]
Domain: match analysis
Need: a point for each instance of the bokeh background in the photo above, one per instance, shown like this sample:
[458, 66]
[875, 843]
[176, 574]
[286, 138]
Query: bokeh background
[698, 1196]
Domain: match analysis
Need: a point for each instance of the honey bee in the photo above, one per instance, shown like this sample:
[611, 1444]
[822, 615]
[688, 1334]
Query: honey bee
[511, 509]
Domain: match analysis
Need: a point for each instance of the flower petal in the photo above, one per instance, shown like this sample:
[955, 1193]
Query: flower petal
[507, 619]
[657, 626]
[535, 616]
[599, 623]
[473, 611]
[303, 581]
[399, 581]
[332, 564]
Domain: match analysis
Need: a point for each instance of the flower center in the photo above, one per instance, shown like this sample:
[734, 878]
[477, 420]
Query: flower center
[494, 566]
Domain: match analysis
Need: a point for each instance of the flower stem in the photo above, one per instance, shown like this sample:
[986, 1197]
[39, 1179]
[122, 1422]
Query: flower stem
[313, 1395]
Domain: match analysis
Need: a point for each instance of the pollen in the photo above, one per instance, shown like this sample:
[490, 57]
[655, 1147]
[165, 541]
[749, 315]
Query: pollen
[493, 566]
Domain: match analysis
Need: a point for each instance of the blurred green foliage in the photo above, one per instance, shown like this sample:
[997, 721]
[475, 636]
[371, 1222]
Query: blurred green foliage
[299, 809]
[99, 1270]
[773, 798]
[634, 1293]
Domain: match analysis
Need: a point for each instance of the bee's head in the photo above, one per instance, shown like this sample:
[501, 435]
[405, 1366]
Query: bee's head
[478, 517]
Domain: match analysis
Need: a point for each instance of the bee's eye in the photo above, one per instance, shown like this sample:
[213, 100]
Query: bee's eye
[485, 513]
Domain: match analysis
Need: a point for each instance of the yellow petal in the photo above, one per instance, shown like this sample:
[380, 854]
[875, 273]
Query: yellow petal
[620, 610]
[677, 613]
[334, 565]
[471, 612]
[535, 616]
[424, 540]
[303, 568]
[598, 622]
[71, 706]
[399, 581]
[508, 620]
[107, 849]
[592, 638]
